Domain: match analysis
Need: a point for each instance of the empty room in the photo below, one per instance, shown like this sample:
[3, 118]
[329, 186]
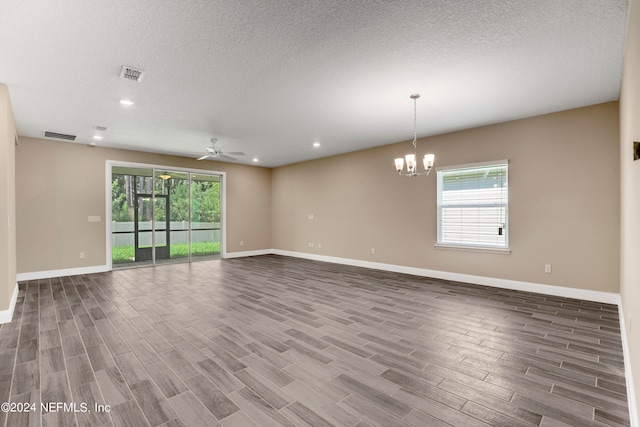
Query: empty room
[306, 213]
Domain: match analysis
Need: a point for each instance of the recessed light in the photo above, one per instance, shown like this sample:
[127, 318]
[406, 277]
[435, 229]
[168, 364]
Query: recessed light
[98, 137]
[127, 102]
[316, 144]
[255, 159]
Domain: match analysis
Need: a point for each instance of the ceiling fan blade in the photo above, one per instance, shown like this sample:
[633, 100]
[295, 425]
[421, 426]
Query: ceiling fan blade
[204, 157]
[224, 156]
[210, 149]
[234, 153]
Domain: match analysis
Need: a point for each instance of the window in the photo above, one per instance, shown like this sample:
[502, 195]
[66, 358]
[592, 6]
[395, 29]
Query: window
[473, 202]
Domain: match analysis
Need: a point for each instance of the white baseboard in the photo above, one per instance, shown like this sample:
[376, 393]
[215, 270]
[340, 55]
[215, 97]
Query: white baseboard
[247, 253]
[539, 288]
[631, 393]
[7, 315]
[561, 291]
[35, 275]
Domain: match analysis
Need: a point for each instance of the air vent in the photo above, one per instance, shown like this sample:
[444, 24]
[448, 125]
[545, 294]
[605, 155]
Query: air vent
[59, 136]
[100, 128]
[131, 73]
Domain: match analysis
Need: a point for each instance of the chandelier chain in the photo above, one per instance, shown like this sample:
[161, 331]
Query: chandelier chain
[415, 123]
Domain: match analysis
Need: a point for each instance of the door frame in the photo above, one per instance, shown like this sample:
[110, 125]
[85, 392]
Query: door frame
[109, 164]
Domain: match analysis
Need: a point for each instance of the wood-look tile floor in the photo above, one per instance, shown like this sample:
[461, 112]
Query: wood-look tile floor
[276, 341]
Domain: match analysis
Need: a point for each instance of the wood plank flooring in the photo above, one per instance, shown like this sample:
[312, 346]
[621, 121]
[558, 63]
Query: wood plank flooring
[277, 341]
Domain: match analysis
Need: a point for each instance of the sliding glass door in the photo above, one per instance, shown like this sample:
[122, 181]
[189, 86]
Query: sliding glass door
[162, 215]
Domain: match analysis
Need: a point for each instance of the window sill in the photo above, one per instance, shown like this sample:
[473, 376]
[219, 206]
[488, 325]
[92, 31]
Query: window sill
[502, 251]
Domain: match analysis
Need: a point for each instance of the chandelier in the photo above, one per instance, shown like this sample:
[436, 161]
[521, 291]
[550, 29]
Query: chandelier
[427, 160]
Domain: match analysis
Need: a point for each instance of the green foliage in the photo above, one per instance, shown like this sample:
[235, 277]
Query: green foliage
[179, 200]
[122, 254]
[206, 248]
[205, 199]
[205, 196]
[120, 209]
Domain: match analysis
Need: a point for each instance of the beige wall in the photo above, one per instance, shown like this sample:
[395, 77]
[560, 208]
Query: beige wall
[630, 190]
[7, 200]
[60, 184]
[564, 202]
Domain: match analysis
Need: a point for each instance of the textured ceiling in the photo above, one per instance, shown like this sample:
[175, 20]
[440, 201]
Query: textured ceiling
[271, 77]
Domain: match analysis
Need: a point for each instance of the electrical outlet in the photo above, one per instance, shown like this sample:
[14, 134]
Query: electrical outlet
[310, 216]
[319, 245]
[373, 250]
[241, 242]
[81, 255]
[547, 268]
[310, 244]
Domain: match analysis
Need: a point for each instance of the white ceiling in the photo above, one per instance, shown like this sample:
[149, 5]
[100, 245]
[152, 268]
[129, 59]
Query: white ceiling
[271, 77]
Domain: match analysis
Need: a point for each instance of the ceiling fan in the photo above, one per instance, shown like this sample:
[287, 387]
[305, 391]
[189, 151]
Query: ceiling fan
[216, 153]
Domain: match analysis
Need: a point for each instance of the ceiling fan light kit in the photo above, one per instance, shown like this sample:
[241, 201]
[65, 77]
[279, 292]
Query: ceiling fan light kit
[427, 160]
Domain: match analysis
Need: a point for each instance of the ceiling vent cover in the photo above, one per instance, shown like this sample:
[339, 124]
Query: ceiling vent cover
[59, 136]
[131, 73]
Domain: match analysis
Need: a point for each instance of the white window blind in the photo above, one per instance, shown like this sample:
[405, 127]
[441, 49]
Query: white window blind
[473, 202]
